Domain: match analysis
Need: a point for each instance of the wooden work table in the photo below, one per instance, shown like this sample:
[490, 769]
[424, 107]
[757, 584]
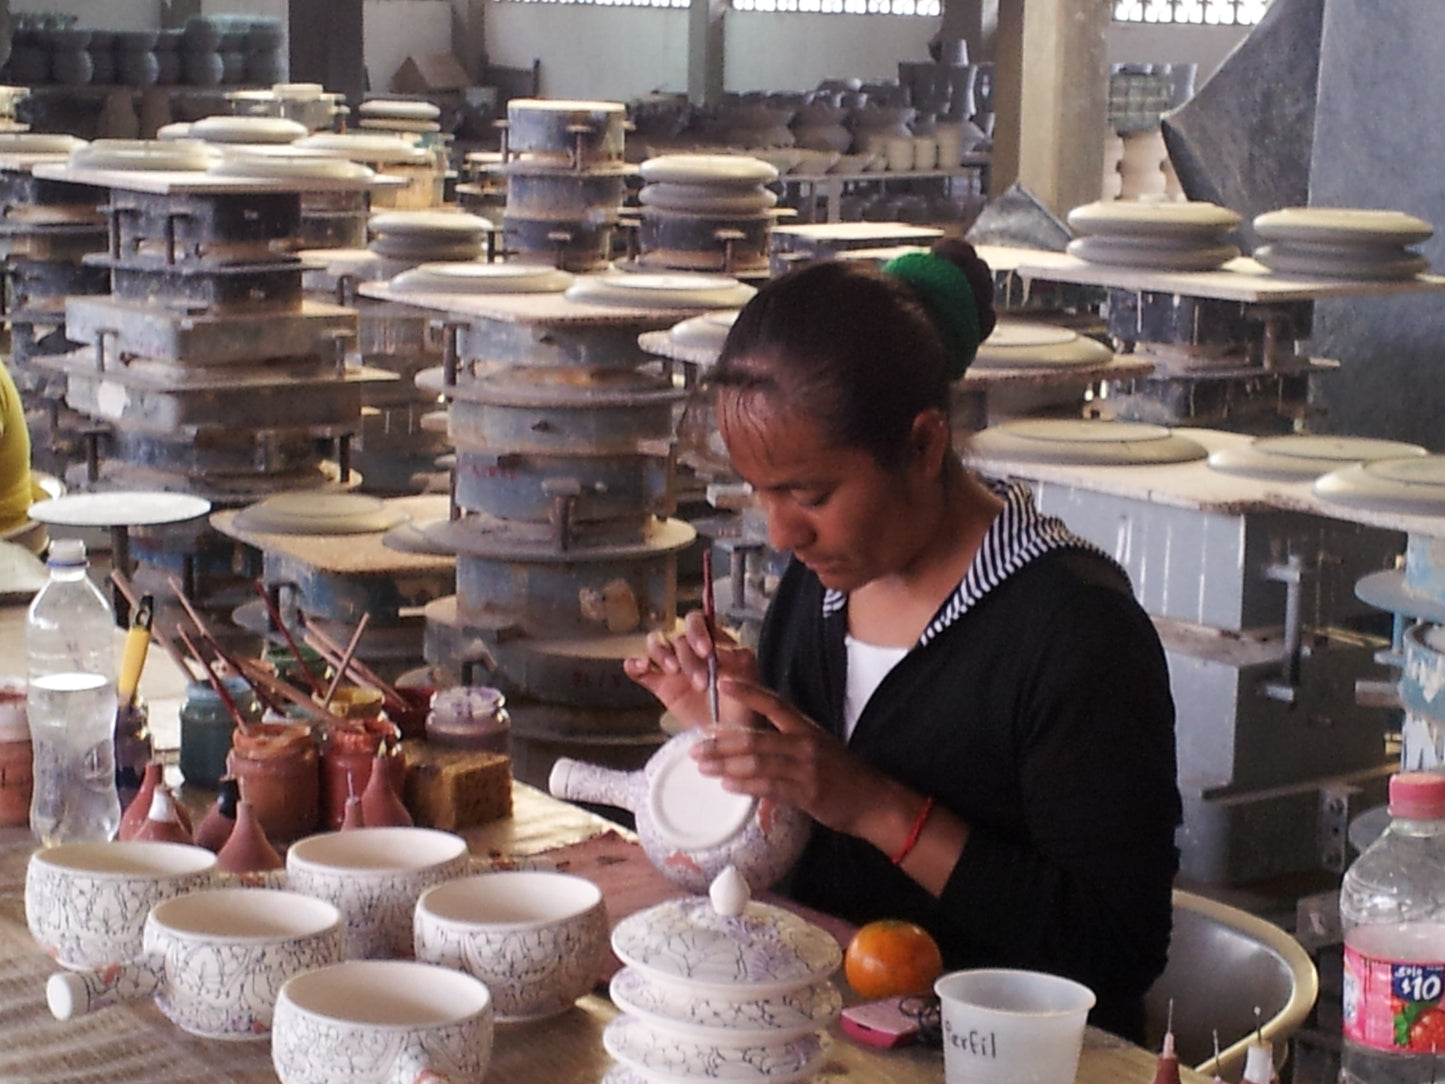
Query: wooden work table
[135, 1044]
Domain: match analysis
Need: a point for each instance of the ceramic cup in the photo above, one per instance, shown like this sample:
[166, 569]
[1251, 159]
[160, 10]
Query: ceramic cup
[86, 903]
[214, 961]
[1011, 1027]
[535, 938]
[374, 876]
[382, 1022]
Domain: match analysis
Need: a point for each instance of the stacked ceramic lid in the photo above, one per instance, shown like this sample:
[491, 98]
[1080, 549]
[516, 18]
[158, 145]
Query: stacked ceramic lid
[1021, 344]
[721, 988]
[1157, 235]
[399, 116]
[1342, 242]
[565, 172]
[406, 238]
[705, 212]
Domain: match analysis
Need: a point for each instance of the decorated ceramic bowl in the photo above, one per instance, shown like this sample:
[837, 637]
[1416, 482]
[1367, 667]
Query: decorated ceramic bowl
[645, 1049]
[701, 1017]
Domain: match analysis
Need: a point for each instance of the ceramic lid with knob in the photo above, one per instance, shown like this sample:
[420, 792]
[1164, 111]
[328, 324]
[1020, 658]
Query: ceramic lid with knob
[1083, 441]
[726, 941]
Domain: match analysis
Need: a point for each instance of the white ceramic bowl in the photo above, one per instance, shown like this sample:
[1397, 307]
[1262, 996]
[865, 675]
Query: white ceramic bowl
[535, 938]
[374, 876]
[86, 903]
[372, 1021]
[214, 960]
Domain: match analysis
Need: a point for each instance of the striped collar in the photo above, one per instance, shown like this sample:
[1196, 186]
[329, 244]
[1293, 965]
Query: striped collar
[1018, 534]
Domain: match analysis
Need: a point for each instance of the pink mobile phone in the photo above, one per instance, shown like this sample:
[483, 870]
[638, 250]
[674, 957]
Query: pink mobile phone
[880, 1023]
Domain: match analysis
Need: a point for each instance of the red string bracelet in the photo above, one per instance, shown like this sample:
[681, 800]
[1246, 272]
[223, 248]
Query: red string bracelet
[914, 832]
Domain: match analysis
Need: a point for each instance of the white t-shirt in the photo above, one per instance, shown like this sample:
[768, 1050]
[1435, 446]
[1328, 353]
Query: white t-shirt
[868, 665]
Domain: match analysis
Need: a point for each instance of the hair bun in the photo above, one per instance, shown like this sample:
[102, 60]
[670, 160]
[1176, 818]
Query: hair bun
[965, 257]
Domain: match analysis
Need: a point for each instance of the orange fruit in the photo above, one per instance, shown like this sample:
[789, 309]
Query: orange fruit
[890, 957]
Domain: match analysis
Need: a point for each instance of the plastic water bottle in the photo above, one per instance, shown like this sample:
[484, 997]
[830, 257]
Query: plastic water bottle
[71, 701]
[1392, 908]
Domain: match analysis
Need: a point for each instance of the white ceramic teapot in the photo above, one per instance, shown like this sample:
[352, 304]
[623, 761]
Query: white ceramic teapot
[690, 827]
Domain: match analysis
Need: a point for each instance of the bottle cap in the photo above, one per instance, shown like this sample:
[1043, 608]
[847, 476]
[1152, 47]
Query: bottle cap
[66, 553]
[1417, 796]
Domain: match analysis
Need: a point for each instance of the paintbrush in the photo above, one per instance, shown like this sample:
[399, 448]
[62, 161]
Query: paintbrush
[709, 617]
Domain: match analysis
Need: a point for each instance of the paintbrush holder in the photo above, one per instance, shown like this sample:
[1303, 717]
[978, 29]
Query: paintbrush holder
[276, 767]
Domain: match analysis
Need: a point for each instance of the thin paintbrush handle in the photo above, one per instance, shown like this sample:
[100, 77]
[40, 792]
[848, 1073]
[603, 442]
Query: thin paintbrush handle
[709, 617]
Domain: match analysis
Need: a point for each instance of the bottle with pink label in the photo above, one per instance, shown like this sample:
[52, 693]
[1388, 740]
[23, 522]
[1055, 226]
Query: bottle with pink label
[1392, 908]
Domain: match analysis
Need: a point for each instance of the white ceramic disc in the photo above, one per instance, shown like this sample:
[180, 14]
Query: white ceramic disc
[398, 124]
[359, 147]
[692, 811]
[446, 225]
[283, 166]
[1342, 225]
[632, 1042]
[731, 170]
[119, 509]
[180, 155]
[705, 332]
[1304, 457]
[476, 277]
[319, 513]
[222, 129]
[1166, 254]
[1153, 218]
[675, 291]
[703, 1017]
[1018, 344]
[704, 199]
[763, 951]
[1413, 486]
[1067, 440]
[408, 110]
[1365, 263]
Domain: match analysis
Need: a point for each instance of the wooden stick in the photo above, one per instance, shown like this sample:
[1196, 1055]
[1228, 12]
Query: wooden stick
[215, 645]
[346, 659]
[332, 652]
[216, 683]
[257, 674]
[276, 619]
[124, 586]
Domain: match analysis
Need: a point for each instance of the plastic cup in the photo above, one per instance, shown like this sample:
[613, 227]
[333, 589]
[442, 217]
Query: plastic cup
[1011, 1027]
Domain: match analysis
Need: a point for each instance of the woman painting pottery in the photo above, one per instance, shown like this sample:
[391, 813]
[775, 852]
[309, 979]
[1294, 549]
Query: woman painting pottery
[963, 695]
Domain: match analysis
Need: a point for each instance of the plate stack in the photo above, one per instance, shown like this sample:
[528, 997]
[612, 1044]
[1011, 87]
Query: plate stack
[1342, 242]
[706, 212]
[565, 173]
[721, 989]
[400, 116]
[407, 238]
[1155, 235]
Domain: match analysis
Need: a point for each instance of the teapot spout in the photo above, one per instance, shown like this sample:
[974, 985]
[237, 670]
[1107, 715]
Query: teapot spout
[577, 781]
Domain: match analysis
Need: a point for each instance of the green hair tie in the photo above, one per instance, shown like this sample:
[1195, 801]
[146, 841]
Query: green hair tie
[947, 297]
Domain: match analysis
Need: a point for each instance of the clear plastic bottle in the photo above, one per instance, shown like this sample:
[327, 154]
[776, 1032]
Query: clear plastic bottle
[1392, 909]
[71, 702]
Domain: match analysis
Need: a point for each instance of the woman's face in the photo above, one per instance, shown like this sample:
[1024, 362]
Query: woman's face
[835, 508]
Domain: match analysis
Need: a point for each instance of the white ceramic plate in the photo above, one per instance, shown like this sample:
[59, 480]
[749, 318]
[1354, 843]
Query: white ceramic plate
[389, 107]
[319, 513]
[1065, 440]
[119, 509]
[705, 332]
[708, 169]
[179, 155]
[1304, 457]
[778, 1018]
[1018, 344]
[691, 811]
[476, 277]
[633, 1043]
[1342, 225]
[1153, 218]
[282, 166]
[1414, 486]
[677, 291]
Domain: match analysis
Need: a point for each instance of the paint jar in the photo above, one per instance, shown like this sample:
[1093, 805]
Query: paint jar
[206, 727]
[349, 748]
[276, 767]
[470, 717]
[17, 756]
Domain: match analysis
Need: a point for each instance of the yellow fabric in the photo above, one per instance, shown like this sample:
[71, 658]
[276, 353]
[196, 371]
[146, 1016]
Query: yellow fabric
[16, 491]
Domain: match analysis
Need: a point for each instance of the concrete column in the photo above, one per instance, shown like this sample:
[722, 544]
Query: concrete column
[705, 51]
[1051, 90]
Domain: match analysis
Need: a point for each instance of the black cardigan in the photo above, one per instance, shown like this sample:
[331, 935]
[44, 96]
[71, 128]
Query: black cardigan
[1041, 716]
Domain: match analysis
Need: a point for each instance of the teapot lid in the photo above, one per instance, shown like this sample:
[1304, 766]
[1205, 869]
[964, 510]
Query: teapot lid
[721, 941]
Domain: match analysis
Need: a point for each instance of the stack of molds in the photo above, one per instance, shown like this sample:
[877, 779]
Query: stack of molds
[565, 176]
[703, 212]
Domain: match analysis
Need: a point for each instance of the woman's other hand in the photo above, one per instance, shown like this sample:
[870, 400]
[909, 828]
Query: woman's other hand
[675, 671]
